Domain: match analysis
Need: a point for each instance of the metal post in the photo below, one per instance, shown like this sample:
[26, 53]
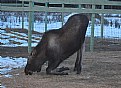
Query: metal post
[92, 31]
[62, 17]
[92, 34]
[80, 6]
[0, 6]
[30, 27]
[23, 15]
[46, 21]
[102, 23]
[32, 17]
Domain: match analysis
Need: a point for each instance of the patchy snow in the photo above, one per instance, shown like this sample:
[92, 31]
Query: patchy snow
[20, 38]
[108, 32]
[2, 86]
[7, 64]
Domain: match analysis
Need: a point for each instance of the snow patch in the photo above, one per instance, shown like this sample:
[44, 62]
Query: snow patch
[7, 64]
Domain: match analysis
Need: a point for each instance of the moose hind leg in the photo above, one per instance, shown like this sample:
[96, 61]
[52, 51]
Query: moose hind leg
[53, 65]
[78, 65]
[77, 60]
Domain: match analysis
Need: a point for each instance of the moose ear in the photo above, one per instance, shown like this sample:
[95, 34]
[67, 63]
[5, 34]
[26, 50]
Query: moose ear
[33, 53]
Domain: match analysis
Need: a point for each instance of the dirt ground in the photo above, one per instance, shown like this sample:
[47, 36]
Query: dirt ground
[100, 70]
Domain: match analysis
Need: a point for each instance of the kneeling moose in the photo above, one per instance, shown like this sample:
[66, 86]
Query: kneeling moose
[57, 45]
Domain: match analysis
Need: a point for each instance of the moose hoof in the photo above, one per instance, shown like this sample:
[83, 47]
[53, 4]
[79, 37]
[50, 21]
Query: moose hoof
[57, 73]
[62, 69]
[61, 73]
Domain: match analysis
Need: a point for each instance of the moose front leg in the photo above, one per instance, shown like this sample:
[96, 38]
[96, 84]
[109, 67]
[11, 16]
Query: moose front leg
[53, 65]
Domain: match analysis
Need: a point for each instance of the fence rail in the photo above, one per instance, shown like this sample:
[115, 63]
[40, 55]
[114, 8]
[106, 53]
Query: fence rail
[52, 8]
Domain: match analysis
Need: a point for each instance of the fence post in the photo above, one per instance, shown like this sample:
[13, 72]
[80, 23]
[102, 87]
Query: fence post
[0, 6]
[102, 22]
[92, 34]
[30, 27]
[23, 15]
[92, 31]
[46, 21]
[62, 17]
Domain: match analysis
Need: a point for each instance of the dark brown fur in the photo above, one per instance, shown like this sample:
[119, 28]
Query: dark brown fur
[57, 45]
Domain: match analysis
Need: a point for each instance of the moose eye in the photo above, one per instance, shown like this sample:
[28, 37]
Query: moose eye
[29, 58]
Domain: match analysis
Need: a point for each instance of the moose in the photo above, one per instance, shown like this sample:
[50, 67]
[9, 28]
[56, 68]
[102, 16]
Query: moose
[57, 45]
